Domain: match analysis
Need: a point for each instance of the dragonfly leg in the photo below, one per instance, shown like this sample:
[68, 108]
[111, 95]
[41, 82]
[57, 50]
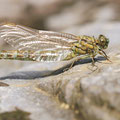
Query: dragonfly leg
[84, 57]
[70, 56]
[94, 67]
[104, 55]
[93, 61]
[70, 66]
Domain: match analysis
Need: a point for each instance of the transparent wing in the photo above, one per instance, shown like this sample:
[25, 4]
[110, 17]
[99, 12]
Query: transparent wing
[50, 56]
[24, 38]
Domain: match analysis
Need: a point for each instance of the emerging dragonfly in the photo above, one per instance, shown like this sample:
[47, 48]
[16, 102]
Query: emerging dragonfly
[38, 45]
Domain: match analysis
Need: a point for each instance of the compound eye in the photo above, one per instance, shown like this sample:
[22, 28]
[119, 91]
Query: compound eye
[102, 39]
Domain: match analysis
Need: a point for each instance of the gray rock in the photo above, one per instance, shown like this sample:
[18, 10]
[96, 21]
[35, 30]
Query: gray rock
[48, 92]
[91, 95]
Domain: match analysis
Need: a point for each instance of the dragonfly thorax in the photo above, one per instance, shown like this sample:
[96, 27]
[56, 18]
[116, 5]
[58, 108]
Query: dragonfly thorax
[84, 46]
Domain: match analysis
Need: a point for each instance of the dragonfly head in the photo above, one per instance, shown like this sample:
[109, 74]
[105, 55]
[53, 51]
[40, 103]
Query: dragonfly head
[103, 42]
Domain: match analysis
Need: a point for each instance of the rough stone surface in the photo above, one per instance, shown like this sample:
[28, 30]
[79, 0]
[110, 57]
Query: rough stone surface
[78, 93]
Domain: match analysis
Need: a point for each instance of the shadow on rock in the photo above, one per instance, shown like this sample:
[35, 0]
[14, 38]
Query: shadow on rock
[41, 74]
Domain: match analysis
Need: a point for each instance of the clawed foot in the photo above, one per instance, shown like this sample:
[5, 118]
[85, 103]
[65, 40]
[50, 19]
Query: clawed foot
[93, 67]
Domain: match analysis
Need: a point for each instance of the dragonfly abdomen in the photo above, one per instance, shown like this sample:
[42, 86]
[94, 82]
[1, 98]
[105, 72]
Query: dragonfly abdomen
[16, 55]
[47, 56]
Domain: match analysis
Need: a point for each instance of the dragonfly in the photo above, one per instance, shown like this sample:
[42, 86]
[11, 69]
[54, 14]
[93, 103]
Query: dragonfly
[49, 46]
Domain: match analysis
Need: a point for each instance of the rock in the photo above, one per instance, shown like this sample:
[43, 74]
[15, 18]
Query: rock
[89, 94]
[26, 97]
[17, 115]
[46, 91]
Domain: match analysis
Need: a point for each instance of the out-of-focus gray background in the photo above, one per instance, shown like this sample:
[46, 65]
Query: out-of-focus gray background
[73, 16]
[58, 14]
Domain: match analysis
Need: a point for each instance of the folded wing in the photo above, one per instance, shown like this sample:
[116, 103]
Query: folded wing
[47, 42]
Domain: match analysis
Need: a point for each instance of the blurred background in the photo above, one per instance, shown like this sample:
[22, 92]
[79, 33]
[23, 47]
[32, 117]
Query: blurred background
[90, 17]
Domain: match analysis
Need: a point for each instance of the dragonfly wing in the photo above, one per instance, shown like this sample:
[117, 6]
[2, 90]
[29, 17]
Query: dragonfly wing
[24, 38]
[50, 56]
